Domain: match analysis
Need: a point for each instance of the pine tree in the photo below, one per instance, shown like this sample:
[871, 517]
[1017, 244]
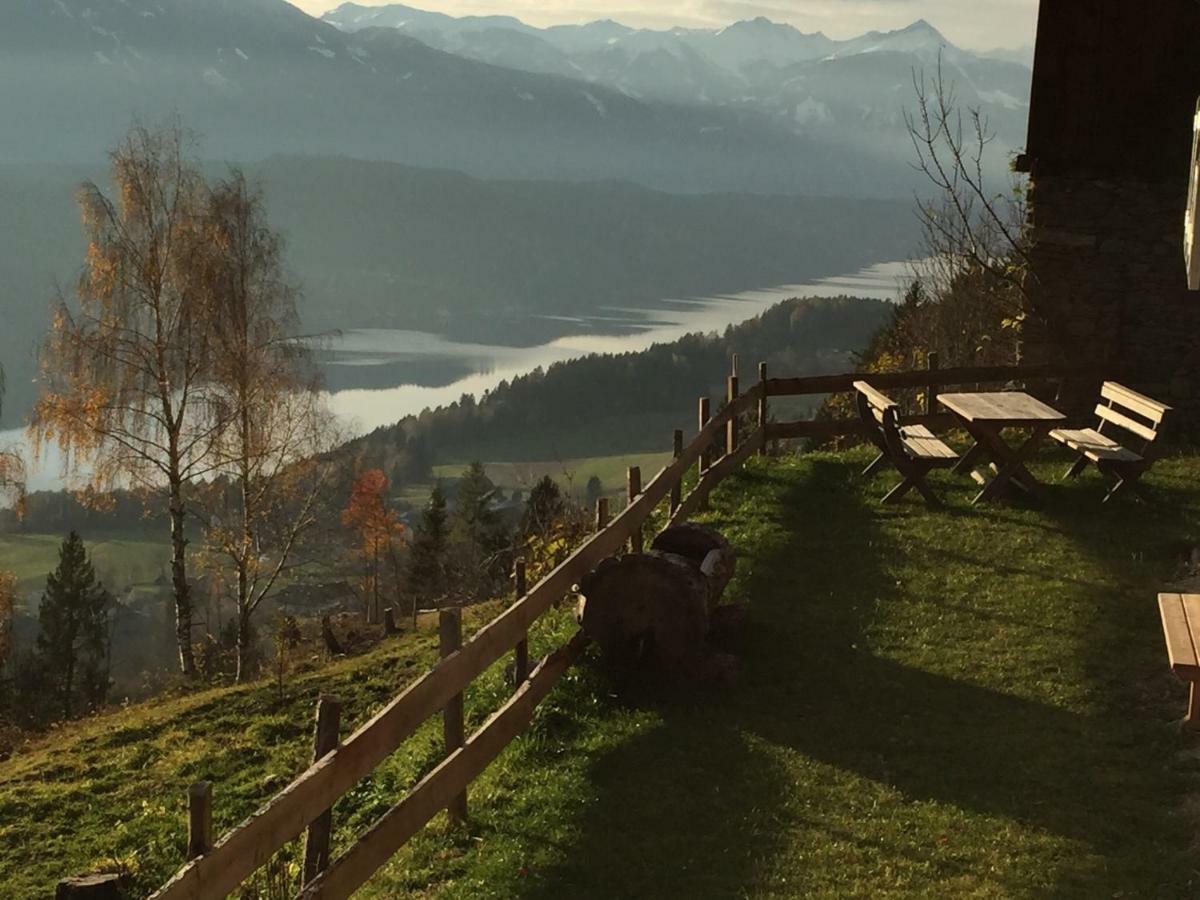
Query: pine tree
[73, 638]
[477, 531]
[543, 508]
[427, 563]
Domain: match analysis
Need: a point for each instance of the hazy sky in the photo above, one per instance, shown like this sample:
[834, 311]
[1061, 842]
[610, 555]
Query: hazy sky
[981, 24]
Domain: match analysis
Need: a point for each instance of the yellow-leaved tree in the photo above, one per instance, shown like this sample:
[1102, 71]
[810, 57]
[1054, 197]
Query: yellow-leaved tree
[124, 364]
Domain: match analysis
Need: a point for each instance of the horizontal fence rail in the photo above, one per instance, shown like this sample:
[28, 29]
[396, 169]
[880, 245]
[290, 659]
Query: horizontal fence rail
[219, 870]
[251, 844]
[835, 384]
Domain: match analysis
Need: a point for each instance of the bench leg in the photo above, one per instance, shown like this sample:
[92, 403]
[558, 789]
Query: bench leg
[913, 478]
[899, 491]
[1076, 467]
[879, 462]
[1192, 720]
[1126, 478]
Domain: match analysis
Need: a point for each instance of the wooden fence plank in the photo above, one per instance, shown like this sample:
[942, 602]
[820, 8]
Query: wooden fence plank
[844, 383]
[353, 868]
[716, 473]
[252, 844]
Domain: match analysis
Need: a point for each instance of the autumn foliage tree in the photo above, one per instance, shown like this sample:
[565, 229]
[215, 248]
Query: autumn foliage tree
[378, 532]
[264, 395]
[124, 367]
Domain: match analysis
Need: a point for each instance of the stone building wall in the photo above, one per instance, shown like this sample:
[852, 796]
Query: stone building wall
[1109, 286]
[1110, 128]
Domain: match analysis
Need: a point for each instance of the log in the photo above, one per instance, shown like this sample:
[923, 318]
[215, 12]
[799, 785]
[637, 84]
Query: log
[706, 548]
[646, 609]
[90, 887]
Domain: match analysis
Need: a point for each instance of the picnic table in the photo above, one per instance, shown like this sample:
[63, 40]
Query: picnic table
[985, 415]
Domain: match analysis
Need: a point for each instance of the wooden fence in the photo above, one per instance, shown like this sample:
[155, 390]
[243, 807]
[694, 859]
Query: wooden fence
[215, 870]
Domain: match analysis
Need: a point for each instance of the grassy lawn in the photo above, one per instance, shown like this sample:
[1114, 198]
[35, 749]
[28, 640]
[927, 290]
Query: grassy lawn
[119, 561]
[968, 703]
[964, 703]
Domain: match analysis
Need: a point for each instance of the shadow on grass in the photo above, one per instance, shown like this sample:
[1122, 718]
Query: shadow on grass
[703, 804]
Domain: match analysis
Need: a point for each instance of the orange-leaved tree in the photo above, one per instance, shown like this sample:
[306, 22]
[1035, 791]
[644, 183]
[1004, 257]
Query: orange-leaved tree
[378, 531]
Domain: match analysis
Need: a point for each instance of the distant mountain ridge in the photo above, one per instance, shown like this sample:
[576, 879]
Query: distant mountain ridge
[756, 107]
[755, 63]
[257, 77]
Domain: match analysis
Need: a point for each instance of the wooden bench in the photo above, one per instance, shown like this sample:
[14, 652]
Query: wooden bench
[1136, 415]
[1181, 628]
[913, 449]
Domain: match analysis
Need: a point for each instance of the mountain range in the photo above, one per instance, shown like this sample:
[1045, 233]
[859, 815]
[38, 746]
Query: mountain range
[756, 107]
[804, 81]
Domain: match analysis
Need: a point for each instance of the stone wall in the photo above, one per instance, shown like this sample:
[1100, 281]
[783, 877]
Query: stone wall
[1109, 284]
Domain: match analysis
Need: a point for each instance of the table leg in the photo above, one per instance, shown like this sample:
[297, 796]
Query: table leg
[967, 462]
[1012, 465]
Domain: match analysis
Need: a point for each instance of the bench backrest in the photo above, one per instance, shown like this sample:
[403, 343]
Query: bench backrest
[878, 413]
[1135, 413]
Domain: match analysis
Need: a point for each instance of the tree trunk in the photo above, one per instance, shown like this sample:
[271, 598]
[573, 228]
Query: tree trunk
[183, 597]
[243, 646]
[69, 681]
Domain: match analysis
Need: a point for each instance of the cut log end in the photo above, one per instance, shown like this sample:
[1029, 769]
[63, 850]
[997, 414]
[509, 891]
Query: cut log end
[91, 887]
[645, 607]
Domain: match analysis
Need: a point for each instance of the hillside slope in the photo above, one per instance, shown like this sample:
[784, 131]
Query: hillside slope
[971, 702]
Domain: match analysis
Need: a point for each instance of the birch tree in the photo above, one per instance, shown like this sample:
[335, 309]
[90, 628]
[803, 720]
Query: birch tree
[124, 366]
[273, 423]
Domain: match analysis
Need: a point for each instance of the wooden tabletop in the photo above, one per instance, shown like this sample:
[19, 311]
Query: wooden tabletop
[1005, 408]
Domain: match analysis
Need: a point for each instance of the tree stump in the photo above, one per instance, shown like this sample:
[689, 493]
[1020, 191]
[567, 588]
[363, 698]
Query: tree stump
[645, 608]
[659, 609]
[706, 549]
[90, 887]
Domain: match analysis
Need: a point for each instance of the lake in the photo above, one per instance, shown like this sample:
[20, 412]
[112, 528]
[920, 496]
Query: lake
[378, 376]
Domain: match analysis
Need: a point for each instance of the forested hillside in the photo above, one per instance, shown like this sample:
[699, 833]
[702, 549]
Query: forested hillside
[626, 403]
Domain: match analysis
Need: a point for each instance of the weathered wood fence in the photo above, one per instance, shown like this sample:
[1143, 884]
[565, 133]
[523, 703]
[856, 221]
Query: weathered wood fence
[217, 869]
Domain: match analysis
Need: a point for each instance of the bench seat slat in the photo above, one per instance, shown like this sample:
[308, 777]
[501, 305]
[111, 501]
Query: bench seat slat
[1094, 445]
[1139, 403]
[923, 443]
[1108, 414]
[1180, 618]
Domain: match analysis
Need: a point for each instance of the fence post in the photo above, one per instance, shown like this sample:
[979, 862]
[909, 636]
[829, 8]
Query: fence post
[762, 407]
[731, 427]
[635, 488]
[931, 391]
[200, 837]
[677, 487]
[601, 513]
[325, 741]
[521, 660]
[450, 634]
[704, 419]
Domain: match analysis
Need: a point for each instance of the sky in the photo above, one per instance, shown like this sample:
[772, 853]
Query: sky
[977, 24]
